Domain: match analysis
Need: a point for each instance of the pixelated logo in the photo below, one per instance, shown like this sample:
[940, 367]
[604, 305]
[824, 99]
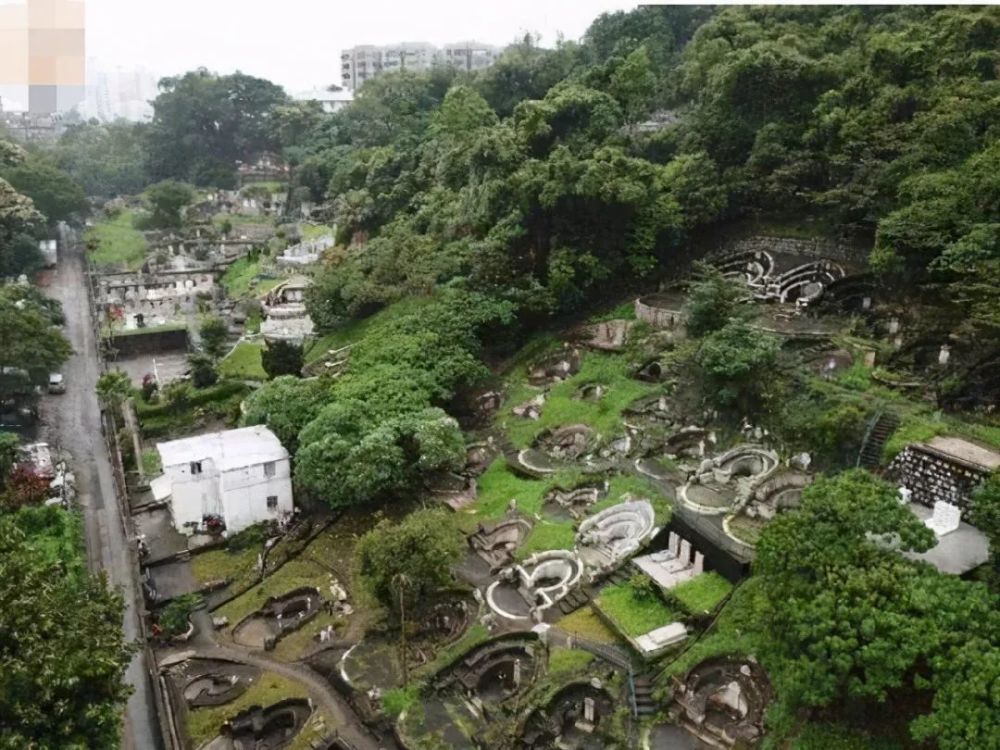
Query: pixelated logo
[42, 60]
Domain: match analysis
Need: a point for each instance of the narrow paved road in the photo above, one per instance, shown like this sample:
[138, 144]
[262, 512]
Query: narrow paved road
[72, 422]
[347, 723]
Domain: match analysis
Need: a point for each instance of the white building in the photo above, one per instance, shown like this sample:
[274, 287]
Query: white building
[240, 477]
[332, 98]
[366, 61]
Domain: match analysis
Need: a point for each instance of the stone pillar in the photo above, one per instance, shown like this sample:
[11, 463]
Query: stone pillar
[588, 710]
[685, 552]
[517, 673]
[674, 542]
[699, 563]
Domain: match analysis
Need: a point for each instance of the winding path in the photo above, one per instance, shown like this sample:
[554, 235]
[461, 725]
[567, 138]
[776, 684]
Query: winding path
[348, 725]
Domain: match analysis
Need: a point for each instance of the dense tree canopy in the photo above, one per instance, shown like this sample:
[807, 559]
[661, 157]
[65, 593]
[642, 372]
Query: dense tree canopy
[410, 559]
[204, 123]
[30, 348]
[848, 618]
[53, 695]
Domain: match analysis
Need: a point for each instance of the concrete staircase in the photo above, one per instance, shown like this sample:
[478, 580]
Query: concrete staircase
[884, 426]
[645, 703]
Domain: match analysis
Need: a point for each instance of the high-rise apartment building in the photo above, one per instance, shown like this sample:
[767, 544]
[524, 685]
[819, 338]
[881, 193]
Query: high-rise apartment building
[364, 62]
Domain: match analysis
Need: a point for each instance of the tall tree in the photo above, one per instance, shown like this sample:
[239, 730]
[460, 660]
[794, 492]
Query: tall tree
[64, 658]
[204, 123]
[30, 348]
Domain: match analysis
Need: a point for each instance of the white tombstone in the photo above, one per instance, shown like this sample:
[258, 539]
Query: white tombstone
[905, 495]
[893, 326]
[674, 542]
[517, 673]
[588, 710]
[685, 551]
[946, 518]
[944, 355]
[699, 563]
[866, 303]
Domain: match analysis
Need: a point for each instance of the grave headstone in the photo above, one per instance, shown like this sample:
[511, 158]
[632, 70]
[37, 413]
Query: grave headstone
[685, 554]
[699, 563]
[674, 542]
[946, 518]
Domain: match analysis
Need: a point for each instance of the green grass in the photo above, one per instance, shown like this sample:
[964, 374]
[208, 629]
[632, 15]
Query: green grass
[119, 243]
[242, 278]
[355, 330]
[635, 611]
[567, 661]
[586, 624]
[921, 426]
[546, 535]
[243, 363]
[397, 700]
[56, 533]
[220, 564]
[151, 465]
[204, 723]
[563, 408]
[123, 332]
[312, 232]
[702, 593]
[470, 639]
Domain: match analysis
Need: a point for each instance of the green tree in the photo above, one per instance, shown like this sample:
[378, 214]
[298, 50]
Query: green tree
[203, 123]
[114, 387]
[30, 348]
[51, 695]
[348, 455]
[10, 444]
[713, 300]
[57, 195]
[846, 619]
[20, 223]
[633, 84]
[203, 372]
[422, 548]
[282, 358]
[214, 333]
[286, 405]
[106, 159]
[738, 362]
[986, 514]
[168, 199]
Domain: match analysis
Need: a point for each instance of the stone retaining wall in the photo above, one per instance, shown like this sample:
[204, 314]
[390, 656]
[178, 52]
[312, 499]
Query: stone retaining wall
[932, 477]
[807, 248]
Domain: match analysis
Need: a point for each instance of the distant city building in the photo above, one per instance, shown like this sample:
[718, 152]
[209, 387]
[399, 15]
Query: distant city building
[118, 93]
[364, 62]
[332, 98]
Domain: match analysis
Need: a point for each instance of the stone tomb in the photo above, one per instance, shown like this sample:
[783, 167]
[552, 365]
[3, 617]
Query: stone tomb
[674, 565]
[944, 469]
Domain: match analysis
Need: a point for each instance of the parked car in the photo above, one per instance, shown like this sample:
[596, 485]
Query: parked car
[57, 384]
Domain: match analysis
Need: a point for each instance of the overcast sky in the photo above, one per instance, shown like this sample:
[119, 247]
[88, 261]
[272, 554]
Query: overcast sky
[297, 43]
